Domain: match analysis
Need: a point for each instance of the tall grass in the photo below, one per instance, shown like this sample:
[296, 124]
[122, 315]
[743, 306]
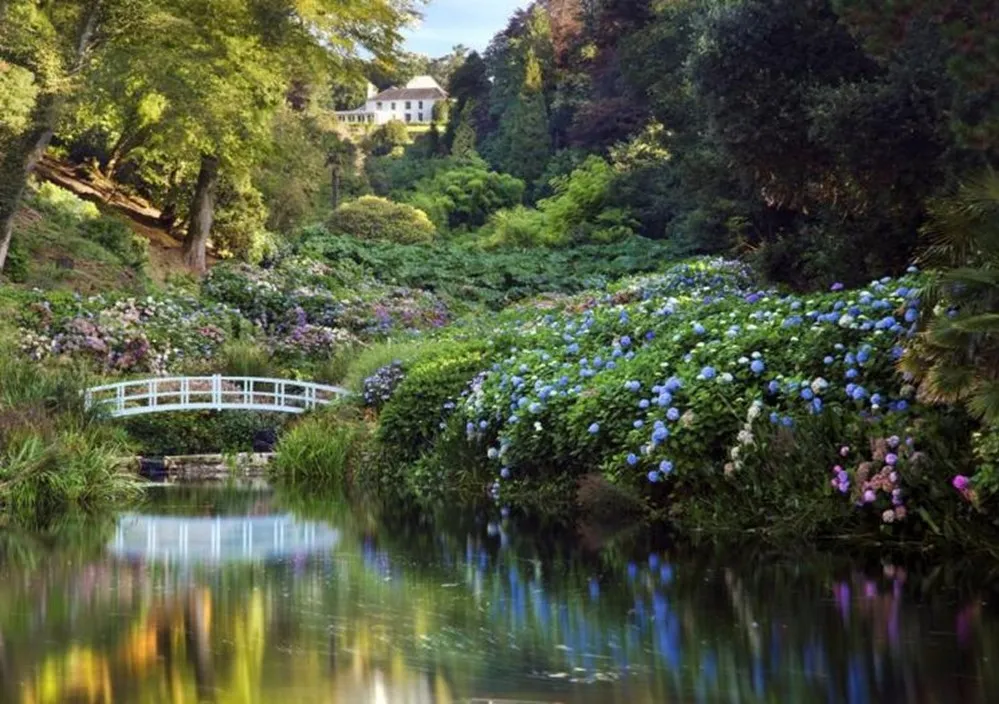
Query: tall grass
[321, 449]
[247, 358]
[54, 455]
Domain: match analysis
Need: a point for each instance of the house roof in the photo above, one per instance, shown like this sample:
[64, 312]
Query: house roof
[411, 94]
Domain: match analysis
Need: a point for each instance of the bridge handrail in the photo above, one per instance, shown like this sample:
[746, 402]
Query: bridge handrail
[305, 395]
[256, 379]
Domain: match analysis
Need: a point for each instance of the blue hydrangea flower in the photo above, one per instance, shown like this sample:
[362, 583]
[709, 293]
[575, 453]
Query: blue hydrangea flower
[593, 429]
[828, 360]
[757, 366]
[660, 435]
[632, 386]
[505, 473]
[653, 476]
[638, 424]
[774, 418]
[851, 373]
[911, 315]
[807, 394]
[643, 404]
[699, 329]
[787, 421]
[673, 414]
[708, 373]
[625, 341]
[666, 467]
[632, 459]
[774, 387]
[573, 348]
[535, 408]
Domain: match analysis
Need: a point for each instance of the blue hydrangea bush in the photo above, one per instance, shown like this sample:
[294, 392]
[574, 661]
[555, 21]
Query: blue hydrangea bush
[378, 387]
[668, 381]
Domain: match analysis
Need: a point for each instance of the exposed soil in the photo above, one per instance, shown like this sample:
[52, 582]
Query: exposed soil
[165, 249]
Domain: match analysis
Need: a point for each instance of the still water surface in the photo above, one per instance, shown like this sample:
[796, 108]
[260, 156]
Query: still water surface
[222, 595]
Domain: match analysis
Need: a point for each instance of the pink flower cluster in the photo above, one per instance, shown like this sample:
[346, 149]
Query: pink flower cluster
[877, 480]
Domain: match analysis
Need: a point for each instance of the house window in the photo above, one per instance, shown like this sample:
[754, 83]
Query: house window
[408, 105]
[393, 107]
[421, 117]
[409, 118]
[379, 105]
[421, 105]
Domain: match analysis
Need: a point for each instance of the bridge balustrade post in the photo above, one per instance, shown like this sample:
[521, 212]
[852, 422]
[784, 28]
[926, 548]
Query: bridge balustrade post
[185, 391]
[119, 401]
[217, 392]
[152, 389]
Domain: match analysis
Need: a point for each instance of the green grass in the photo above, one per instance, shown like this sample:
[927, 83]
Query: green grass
[54, 456]
[321, 449]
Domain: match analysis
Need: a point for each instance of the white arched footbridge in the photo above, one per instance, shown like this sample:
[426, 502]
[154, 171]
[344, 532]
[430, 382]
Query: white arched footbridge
[212, 393]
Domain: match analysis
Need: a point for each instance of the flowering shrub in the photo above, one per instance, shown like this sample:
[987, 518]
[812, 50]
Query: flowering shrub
[670, 381]
[300, 291]
[877, 480]
[378, 388]
[126, 335]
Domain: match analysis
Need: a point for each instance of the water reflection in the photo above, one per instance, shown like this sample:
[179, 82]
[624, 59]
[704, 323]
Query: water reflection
[361, 604]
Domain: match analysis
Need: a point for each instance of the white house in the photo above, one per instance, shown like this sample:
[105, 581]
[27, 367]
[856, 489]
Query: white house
[412, 104]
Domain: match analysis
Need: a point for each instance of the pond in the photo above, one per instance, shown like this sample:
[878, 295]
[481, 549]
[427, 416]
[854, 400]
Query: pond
[248, 595]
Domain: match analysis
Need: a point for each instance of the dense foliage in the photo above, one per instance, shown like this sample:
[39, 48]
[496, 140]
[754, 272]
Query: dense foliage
[469, 275]
[811, 133]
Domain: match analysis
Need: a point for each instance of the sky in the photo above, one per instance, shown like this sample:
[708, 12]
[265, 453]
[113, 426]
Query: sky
[469, 22]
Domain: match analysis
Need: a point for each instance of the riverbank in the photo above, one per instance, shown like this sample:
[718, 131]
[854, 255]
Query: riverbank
[693, 398]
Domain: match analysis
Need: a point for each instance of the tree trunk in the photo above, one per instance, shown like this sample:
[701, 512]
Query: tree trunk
[202, 213]
[336, 187]
[21, 158]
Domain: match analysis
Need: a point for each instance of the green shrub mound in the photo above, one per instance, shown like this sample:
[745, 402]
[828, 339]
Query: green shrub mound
[379, 219]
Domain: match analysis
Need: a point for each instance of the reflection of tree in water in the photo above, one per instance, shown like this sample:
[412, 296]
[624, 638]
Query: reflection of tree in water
[478, 605]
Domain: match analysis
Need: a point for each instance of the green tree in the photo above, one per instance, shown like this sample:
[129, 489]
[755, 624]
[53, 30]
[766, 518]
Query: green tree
[387, 138]
[58, 43]
[463, 144]
[526, 140]
[341, 159]
[469, 86]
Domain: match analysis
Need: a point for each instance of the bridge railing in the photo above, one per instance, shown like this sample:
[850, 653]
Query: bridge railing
[138, 397]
